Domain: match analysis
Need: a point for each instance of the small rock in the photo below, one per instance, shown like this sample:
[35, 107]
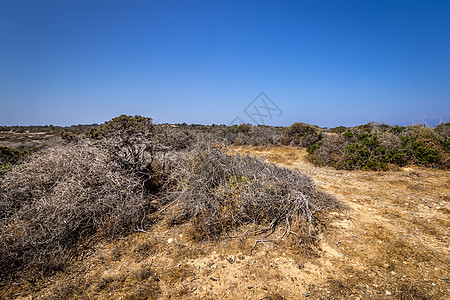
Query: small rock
[213, 279]
[387, 266]
[170, 240]
[305, 295]
[388, 293]
[342, 255]
[250, 287]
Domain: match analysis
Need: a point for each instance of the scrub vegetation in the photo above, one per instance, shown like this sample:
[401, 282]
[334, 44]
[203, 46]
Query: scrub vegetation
[132, 187]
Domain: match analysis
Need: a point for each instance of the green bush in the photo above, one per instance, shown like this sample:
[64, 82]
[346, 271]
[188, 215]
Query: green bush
[244, 128]
[123, 124]
[375, 147]
[4, 168]
[339, 129]
[11, 156]
[93, 133]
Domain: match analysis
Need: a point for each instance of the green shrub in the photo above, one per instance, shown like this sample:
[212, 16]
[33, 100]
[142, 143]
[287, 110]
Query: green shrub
[398, 129]
[93, 133]
[4, 168]
[339, 129]
[375, 147]
[124, 125]
[11, 156]
[67, 135]
[244, 128]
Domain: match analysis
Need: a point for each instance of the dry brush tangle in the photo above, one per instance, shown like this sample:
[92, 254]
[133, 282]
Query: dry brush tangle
[58, 200]
[129, 173]
[218, 193]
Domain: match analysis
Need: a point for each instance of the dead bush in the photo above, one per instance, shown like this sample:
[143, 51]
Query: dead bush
[59, 199]
[217, 193]
[180, 137]
[443, 130]
[246, 134]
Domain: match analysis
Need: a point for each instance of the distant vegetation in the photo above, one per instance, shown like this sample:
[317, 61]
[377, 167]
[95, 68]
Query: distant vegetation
[366, 147]
[47, 128]
[377, 147]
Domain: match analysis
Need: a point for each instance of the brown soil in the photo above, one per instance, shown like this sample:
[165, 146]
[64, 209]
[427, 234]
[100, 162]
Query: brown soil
[390, 242]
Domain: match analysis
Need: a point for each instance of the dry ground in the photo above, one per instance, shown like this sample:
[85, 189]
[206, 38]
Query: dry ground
[391, 242]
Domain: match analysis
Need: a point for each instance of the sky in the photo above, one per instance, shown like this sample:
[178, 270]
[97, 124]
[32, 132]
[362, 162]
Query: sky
[327, 63]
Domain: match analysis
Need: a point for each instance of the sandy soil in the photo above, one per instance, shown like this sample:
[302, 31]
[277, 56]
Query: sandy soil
[390, 242]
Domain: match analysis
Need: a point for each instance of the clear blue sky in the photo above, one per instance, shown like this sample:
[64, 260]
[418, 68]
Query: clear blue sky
[328, 63]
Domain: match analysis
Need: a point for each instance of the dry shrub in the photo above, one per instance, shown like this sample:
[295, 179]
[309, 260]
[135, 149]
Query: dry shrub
[59, 199]
[301, 134]
[218, 193]
[148, 290]
[181, 136]
[443, 130]
[260, 135]
[330, 151]
[411, 292]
